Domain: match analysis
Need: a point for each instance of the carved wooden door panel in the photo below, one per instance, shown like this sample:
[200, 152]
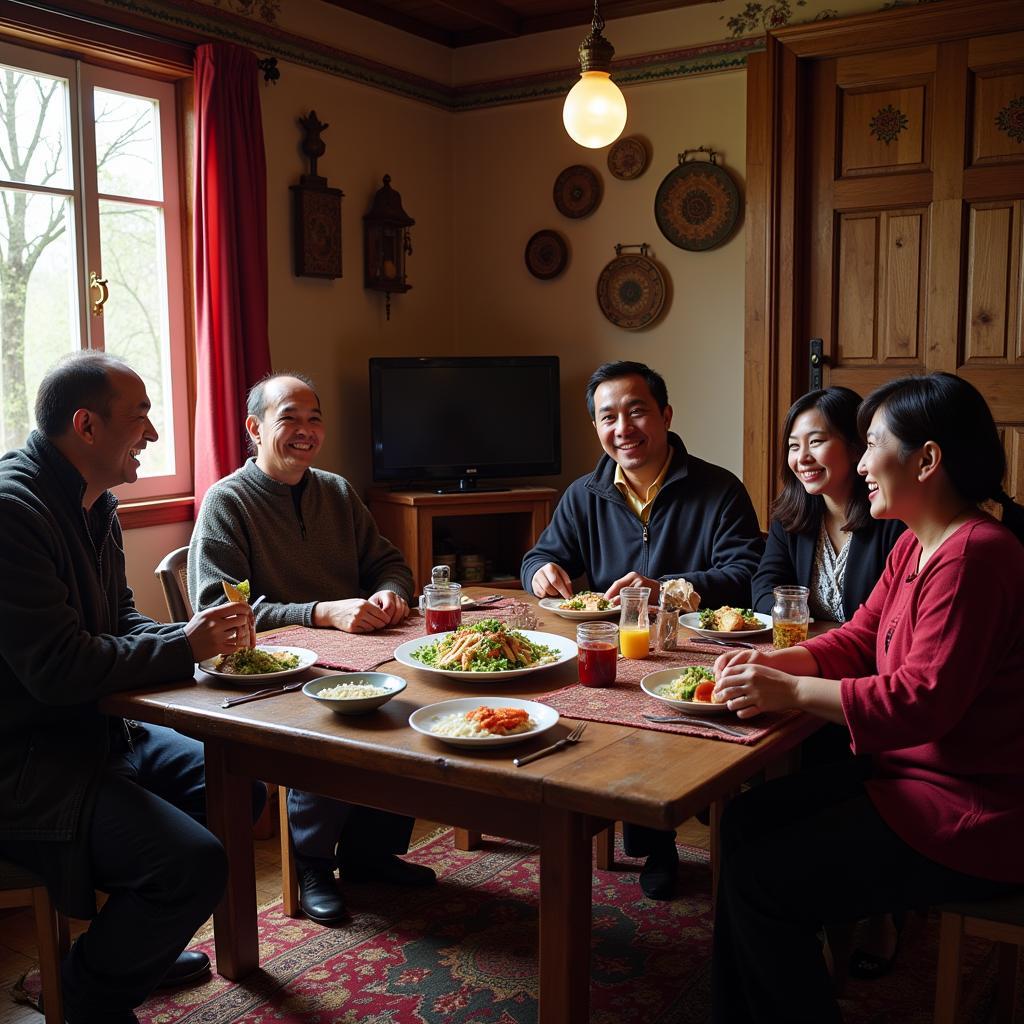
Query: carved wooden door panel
[914, 173]
[885, 173]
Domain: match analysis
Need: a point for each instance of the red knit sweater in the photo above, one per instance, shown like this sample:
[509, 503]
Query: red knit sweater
[932, 677]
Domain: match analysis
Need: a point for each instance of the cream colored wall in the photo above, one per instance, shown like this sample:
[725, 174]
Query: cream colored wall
[329, 329]
[143, 550]
[507, 160]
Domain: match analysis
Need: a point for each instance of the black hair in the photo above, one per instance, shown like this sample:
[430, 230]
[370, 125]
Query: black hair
[796, 510]
[80, 380]
[256, 403]
[951, 412]
[626, 368]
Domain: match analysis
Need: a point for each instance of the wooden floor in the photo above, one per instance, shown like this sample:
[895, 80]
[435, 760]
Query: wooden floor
[17, 933]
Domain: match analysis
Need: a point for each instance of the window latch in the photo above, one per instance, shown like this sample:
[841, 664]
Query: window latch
[98, 284]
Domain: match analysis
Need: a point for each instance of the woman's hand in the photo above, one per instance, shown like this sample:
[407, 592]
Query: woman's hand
[750, 685]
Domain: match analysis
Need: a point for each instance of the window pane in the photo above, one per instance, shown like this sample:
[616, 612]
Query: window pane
[127, 145]
[34, 146]
[38, 301]
[135, 316]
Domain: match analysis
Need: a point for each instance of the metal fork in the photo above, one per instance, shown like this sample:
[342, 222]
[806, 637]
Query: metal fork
[720, 643]
[704, 723]
[565, 741]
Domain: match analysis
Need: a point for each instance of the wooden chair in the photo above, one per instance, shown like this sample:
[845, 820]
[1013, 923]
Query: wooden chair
[20, 888]
[999, 920]
[172, 572]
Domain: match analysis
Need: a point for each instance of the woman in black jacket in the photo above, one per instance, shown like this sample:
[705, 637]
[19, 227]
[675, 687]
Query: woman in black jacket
[822, 535]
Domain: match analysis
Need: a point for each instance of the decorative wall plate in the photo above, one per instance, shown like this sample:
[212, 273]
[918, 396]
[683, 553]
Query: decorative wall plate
[546, 254]
[577, 191]
[627, 158]
[697, 204]
[631, 289]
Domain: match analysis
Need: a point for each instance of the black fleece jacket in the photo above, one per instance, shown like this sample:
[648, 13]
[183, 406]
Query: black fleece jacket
[702, 526]
[69, 634]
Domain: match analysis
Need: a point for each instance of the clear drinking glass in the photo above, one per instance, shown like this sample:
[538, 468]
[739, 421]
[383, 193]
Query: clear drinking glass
[790, 615]
[634, 624]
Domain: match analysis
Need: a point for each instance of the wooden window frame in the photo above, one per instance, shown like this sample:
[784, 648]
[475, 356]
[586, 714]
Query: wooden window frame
[131, 47]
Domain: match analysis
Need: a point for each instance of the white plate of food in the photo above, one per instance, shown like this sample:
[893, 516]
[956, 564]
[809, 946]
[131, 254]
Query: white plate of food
[354, 693]
[585, 605]
[669, 684]
[528, 718]
[468, 652]
[709, 621]
[233, 668]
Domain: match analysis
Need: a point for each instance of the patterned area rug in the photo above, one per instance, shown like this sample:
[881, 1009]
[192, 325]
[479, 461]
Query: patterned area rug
[466, 951]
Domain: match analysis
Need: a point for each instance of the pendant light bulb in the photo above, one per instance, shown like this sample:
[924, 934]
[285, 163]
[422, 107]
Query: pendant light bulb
[594, 113]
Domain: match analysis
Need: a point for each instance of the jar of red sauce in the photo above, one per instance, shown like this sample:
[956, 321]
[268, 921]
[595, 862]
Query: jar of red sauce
[598, 644]
[442, 607]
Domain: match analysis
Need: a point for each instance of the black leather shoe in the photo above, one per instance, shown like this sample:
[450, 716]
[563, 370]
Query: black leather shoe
[658, 876]
[190, 966]
[318, 891]
[388, 868]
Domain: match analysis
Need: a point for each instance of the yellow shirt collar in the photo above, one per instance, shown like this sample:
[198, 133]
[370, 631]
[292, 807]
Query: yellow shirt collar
[641, 506]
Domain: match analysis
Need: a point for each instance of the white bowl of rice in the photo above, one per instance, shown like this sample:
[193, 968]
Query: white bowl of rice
[354, 693]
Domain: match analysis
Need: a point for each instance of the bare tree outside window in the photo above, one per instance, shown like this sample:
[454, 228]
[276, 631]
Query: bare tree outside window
[41, 290]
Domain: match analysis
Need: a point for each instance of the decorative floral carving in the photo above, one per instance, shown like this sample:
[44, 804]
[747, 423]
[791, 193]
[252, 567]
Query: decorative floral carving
[767, 16]
[1011, 119]
[265, 10]
[888, 123]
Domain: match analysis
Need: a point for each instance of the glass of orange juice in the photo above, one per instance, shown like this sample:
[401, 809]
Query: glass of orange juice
[634, 624]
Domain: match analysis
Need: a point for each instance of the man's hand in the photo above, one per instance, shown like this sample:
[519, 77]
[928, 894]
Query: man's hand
[391, 604]
[353, 615]
[222, 629]
[551, 581]
[634, 579]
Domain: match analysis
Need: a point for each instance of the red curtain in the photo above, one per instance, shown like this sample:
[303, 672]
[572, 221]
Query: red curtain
[232, 344]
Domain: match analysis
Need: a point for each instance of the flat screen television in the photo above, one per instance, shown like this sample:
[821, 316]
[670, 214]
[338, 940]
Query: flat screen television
[465, 418]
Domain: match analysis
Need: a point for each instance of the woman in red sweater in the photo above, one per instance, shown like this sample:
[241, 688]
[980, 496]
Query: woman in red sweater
[928, 676]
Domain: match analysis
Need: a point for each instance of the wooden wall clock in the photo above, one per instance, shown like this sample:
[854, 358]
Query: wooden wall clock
[316, 212]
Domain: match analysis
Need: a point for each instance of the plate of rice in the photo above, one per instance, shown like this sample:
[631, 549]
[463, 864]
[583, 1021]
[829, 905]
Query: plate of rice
[265, 661]
[472, 722]
[354, 693]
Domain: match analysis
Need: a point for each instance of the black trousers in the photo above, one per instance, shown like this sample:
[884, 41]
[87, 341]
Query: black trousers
[641, 841]
[162, 869]
[797, 853]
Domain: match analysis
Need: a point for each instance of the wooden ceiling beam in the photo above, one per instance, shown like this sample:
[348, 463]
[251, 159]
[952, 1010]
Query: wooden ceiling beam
[492, 15]
[386, 16]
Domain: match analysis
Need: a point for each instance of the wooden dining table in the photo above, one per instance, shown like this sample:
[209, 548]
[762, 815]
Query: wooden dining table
[558, 803]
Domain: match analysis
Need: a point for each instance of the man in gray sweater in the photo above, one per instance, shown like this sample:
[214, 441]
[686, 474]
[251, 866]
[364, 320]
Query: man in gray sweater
[303, 538]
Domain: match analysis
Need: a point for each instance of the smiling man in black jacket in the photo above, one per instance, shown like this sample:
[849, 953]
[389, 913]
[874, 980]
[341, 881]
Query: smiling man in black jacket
[649, 512]
[86, 801]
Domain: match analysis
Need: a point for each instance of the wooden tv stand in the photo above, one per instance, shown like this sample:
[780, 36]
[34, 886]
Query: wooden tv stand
[499, 525]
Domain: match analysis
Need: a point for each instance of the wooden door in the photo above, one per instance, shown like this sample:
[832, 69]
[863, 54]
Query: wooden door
[895, 167]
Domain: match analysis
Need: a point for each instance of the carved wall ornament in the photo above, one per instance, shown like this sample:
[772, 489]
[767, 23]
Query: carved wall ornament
[316, 211]
[1011, 119]
[888, 123]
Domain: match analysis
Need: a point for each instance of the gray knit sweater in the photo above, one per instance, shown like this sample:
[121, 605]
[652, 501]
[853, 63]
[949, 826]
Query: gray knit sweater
[248, 528]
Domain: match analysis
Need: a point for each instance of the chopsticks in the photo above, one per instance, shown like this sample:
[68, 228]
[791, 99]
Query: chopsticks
[230, 702]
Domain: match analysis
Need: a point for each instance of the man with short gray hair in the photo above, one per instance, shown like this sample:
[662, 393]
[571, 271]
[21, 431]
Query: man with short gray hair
[305, 541]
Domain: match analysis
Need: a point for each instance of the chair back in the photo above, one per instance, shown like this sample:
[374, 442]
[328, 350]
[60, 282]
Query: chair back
[172, 572]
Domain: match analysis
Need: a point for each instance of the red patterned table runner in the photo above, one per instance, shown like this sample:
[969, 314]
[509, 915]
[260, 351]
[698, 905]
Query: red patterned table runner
[626, 704]
[361, 652]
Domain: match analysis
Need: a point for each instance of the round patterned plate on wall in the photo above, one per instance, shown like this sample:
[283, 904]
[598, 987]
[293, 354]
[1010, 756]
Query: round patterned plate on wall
[627, 158]
[697, 204]
[546, 254]
[577, 191]
[631, 289]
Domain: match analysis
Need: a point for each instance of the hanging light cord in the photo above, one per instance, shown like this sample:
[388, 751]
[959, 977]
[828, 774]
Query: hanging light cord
[597, 25]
